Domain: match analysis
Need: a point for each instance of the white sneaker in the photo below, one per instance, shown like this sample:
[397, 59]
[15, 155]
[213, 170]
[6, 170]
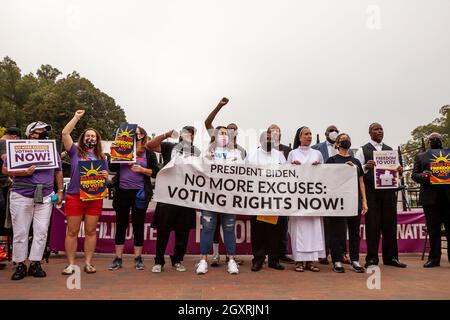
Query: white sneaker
[157, 268]
[179, 267]
[202, 267]
[232, 267]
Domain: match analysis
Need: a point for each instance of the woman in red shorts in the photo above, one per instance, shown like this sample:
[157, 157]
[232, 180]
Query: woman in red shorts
[88, 148]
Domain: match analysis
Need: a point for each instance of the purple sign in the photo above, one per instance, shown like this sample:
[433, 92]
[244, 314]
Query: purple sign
[410, 234]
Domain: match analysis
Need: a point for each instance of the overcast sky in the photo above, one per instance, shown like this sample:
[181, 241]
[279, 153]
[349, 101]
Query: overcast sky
[293, 63]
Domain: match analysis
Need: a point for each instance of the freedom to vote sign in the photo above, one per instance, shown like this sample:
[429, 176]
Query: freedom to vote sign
[22, 154]
[290, 190]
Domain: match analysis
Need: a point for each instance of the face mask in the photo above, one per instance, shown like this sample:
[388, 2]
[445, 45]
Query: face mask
[43, 135]
[222, 141]
[435, 144]
[333, 135]
[345, 144]
[90, 143]
[186, 137]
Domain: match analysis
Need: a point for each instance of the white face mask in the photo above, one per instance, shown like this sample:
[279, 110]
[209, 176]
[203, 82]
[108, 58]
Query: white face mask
[333, 136]
[222, 141]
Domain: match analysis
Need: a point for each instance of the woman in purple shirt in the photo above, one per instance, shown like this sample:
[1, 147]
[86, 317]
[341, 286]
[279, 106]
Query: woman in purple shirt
[30, 204]
[88, 148]
[133, 192]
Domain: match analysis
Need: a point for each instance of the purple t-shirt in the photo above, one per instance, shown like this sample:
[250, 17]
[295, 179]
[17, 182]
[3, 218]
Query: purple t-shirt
[130, 179]
[74, 185]
[44, 176]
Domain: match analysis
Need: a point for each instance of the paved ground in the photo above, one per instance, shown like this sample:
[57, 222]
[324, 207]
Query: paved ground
[414, 282]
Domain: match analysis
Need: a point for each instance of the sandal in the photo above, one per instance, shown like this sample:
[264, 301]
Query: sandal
[299, 267]
[68, 270]
[311, 267]
[89, 268]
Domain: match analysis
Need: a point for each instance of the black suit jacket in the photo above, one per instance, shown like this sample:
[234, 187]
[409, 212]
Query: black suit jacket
[428, 192]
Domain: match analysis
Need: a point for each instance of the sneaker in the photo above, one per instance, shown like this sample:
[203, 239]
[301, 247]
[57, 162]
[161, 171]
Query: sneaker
[116, 264]
[68, 270]
[36, 270]
[20, 273]
[215, 261]
[240, 262]
[232, 267]
[337, 267]
[179, 267]
[202, 267]
[139, 263]
[157, 268]
[355, 266]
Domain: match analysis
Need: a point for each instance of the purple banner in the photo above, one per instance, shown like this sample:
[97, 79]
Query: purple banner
[410, 234]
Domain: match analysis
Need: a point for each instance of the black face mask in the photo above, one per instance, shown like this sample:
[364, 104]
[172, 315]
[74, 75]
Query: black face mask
[43, 135]
[89, 143]
[345, 144]
[435, 144]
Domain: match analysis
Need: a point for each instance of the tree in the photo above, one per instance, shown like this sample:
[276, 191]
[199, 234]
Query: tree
[48, 73]
[24, 99]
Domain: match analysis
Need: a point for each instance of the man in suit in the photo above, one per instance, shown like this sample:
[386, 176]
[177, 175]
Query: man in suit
[435, 200]
[326, 148]
[275, 133]
[381, 218]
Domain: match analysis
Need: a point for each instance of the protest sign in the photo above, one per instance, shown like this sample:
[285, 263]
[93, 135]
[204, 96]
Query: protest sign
[92, 183]
[385, 172]
[439, 166]
[123, 148]
[21, 154]
[305, 190]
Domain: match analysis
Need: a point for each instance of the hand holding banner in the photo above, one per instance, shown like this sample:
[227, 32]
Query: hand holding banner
[439, 166]
[22, 154]
[385, 171]
[262, 190]
[92, 182]
[123, 148]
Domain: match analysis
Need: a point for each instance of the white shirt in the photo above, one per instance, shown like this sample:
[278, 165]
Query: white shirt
[331, 149]
[305, 155]
[360, 154]
[226, 155]
[261, 157]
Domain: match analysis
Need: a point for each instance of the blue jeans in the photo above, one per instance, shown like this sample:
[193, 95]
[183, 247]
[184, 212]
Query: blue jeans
[209, 221]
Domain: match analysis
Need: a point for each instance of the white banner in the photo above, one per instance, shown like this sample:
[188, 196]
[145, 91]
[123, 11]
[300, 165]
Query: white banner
[22, 154]
[289, 190]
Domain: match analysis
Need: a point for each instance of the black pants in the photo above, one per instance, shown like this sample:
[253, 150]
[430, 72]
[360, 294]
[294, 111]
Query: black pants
[436, 215]
[181, 242]
[283, 221]
[3, 199]
[124, 203]
[338, 237]
[266, 239]
[381, 220]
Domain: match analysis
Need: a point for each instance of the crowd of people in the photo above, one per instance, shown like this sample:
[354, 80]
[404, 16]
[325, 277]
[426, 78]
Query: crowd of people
[27, 196]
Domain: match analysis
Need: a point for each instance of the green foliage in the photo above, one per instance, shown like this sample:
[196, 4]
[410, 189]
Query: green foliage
[418, 142]
[44, 97]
